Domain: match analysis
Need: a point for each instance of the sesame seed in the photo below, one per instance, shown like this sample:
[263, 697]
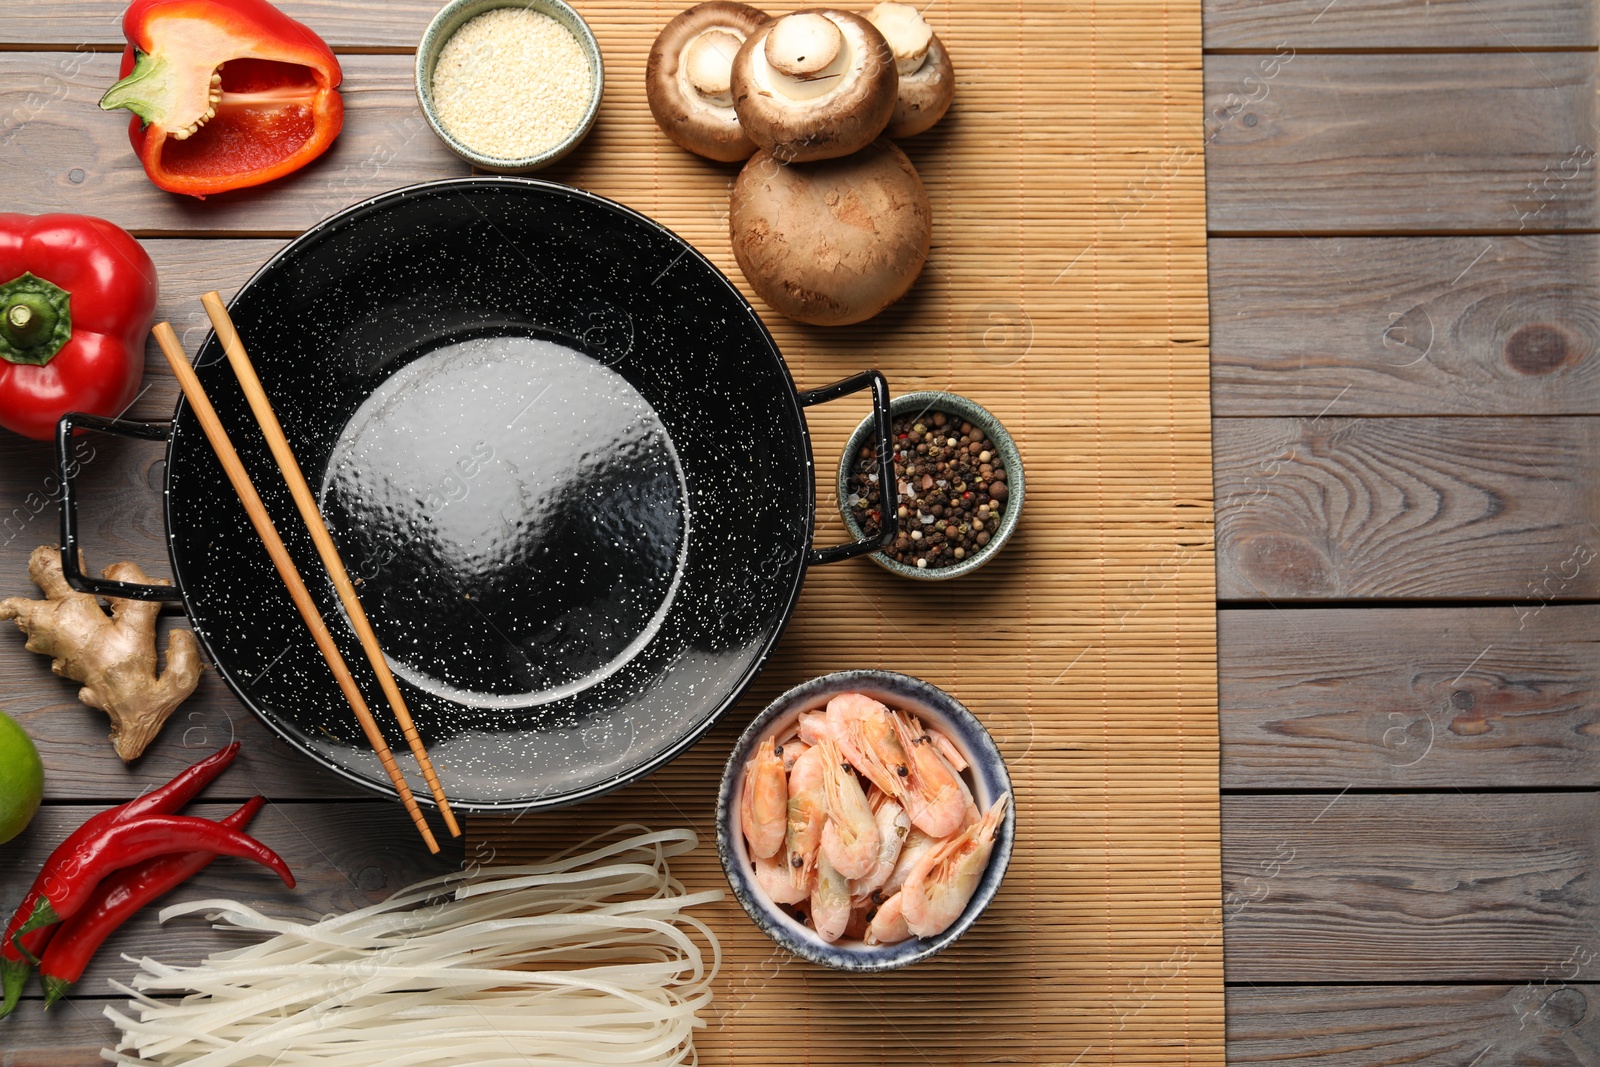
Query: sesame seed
[511, 83]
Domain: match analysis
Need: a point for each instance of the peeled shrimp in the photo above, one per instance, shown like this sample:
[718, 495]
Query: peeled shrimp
[866, 733]
[830, 901]
[808, 810]
[850, 837]
[772, 875]
[888, 923]
[813, 727]
[943, 881]
[764, 802]
[933, 794]
[916, 846]
[893, 827]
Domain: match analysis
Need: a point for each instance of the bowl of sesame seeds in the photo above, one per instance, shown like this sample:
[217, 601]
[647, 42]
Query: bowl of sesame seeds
[510, 85]
[959, 492]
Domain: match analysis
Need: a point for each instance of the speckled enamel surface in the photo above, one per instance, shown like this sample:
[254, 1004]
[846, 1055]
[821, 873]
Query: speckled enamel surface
[936, 708]
[569, 455]
[979, 416]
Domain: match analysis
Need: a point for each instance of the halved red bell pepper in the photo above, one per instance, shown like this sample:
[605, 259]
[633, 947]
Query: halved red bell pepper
[225, 93]
[76, 298]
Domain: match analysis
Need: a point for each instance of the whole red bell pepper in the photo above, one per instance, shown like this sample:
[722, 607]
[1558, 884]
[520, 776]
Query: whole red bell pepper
[77, 295]
[225, 93]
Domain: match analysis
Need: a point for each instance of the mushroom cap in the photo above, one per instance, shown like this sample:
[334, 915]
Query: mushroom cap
[820, 103]
[832, 242]
[925, 94]
[927, 78]
[683, 73]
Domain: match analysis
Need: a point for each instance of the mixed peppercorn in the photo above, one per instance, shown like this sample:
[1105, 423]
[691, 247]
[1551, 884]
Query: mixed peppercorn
[951, 491]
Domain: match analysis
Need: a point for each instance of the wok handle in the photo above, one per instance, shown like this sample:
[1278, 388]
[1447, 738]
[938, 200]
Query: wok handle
[68, 469]
[881, 424]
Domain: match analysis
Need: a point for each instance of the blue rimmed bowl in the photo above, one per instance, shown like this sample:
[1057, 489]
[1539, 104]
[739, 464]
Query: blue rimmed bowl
[986, 776]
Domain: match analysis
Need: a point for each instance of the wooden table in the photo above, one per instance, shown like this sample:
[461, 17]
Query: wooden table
[1402, 208]
[1405, 318]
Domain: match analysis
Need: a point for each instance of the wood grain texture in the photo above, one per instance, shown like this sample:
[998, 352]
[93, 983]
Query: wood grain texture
[1406, 326]
[1462, 698]
[1356, 508]
[1401, 143]
[344, 24]
[1546, 1023]
[1482, 887]
[1399, 24]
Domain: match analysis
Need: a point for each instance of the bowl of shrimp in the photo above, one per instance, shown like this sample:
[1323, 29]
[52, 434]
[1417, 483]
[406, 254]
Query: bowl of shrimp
[865, 820]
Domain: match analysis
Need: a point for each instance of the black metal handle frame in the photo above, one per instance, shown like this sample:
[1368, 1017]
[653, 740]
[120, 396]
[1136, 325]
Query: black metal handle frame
[890, 524]
[68, 466]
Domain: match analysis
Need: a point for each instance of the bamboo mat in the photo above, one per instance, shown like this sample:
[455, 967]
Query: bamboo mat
[1066, 291]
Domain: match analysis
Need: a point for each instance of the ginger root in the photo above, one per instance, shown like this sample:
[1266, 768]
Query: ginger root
[115, 657]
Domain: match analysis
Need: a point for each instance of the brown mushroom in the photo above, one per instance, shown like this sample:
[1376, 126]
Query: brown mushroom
[927, 78]
[833, 242]
[816, 84]
[687, 78]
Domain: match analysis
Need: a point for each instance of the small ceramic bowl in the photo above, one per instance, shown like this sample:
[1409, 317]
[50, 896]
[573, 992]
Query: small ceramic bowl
[458, 13]
[986, 776]
[950, 403]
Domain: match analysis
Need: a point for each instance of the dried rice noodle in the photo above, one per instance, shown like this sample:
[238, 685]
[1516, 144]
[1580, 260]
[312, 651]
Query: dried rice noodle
[587, 958]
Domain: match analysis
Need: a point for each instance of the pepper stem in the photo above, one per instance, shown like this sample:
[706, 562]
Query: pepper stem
[148, 91]
[43, 915]
[14, 973]
[54, 988]
[36, 320]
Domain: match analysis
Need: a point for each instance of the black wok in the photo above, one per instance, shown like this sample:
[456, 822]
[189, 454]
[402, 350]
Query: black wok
[562, 457]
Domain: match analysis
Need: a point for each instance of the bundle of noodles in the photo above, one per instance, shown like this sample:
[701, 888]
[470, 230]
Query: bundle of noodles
[587, 958]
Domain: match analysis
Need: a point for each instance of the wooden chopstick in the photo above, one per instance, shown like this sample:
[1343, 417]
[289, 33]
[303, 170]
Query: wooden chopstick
[195, 393]
[301, 491]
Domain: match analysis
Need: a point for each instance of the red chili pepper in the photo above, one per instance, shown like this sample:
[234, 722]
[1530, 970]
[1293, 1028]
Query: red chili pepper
[115, 900]
[225, 93]
[18, 952]
[76, 301]
[69, 888]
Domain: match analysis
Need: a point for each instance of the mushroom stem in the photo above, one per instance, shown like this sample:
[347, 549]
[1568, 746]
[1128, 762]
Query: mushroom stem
[708, 63]
[806, 46]
[908, 34]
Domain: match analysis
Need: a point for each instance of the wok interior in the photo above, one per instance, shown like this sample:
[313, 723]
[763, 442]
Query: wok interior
[562, 458]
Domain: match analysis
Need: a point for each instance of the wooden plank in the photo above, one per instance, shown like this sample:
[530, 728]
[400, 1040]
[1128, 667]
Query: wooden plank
[1486, 887]
[1406, 326]
[1357, 508]
[1231, 24]
[344, 856]
[1463, 698]
[1350, 144]
[1399, 24]
[1548, 1023]
[344, 24]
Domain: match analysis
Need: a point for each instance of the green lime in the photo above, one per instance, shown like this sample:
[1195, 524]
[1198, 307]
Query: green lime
[21, 778]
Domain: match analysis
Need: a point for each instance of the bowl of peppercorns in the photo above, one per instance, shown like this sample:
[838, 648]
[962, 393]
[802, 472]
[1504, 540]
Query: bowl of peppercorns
[959, 491]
